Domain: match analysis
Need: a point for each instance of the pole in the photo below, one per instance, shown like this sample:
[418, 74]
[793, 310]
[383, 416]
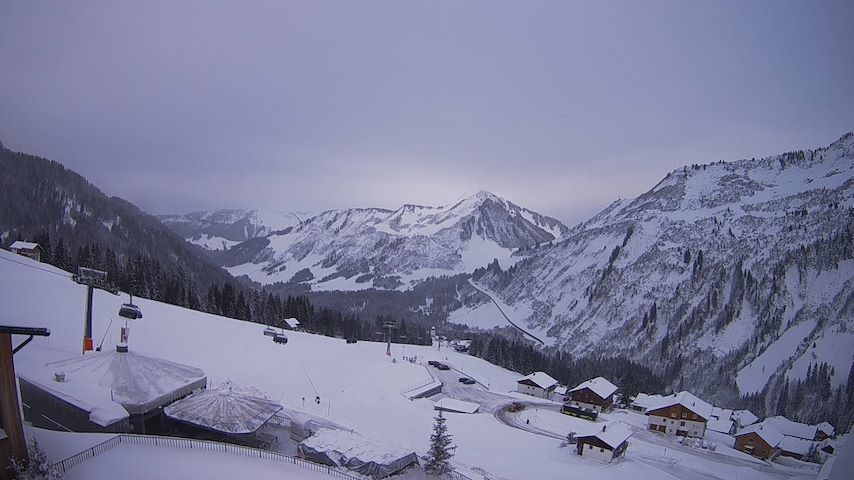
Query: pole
[87, 330]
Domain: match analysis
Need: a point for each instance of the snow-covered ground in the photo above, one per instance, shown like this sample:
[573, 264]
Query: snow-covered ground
[359, 388]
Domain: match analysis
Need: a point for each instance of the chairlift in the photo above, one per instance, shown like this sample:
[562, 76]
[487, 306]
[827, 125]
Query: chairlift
[130, 311]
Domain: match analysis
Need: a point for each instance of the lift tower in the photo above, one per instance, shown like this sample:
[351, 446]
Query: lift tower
[92, 279]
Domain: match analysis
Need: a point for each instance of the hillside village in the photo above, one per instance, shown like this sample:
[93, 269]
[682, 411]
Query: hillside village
[166, 378]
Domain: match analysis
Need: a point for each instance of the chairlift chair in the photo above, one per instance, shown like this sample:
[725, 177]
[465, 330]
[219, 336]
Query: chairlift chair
[130, 311]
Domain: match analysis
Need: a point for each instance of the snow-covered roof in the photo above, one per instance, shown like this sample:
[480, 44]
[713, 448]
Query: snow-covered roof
[223, 410]
[722, 413]
[599, 385]
[642, 400]
[354, 445]
[792, 428]
[744, 417]
[612, 433]
[561, 390]
[827, 428]
[135, 381]
[722, 425]
[23, 245]
[771, 435]
[291, 322]
[794, 445]
[102, 410]
[540, 379]
[453, 405]
[687, 400]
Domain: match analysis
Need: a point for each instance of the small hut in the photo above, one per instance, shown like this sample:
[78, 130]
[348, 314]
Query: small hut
[367, 456]
[115, 391]
[226, 415]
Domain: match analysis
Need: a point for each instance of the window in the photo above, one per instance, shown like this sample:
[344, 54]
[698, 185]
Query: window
[673, 414]
[681, 424]
[589, 447]
[684, 415]
[694, 416]
[601, 450]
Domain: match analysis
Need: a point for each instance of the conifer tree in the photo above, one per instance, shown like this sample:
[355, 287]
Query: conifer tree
[441, 449]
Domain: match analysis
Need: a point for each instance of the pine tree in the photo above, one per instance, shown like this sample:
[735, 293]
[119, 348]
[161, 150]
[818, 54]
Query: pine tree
[441, 449]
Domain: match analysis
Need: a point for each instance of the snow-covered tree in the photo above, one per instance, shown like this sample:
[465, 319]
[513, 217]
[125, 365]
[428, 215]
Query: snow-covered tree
[441, 449]
[38, 468]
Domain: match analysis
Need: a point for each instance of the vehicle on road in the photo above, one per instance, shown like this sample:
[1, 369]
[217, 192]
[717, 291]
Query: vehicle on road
[442, 366]
[580, 412]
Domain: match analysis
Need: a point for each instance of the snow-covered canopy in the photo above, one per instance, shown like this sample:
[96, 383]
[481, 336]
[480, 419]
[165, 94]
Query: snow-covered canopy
[744, 417]
[612, 433]
[540, 379]
[452, 405]
[722, 413]
[223, 410]
[367, 456]
[794, 445]
[771, 435]
[687, 400]
[599, 385]
[644, 401]
[137, 382]
[78, 391]
[722, 425]
[23, 245]
[827, 428]
[791, 428]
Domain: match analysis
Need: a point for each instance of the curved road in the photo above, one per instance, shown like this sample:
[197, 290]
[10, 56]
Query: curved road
[504, 314]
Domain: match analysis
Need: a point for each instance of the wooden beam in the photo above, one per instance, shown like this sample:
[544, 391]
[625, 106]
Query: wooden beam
[10, 410]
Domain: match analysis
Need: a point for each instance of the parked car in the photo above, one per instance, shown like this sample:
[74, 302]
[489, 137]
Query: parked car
[442, 366]
[469, 381]
[352, 340]
[463, 379]
[432, 363]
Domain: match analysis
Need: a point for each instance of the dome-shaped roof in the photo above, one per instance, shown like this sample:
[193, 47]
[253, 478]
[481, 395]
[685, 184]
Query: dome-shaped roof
[223, 410]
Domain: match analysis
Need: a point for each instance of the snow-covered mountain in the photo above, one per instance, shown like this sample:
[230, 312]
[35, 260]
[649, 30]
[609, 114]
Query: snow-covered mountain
[735, 275]
[359, 248]
[222, 229]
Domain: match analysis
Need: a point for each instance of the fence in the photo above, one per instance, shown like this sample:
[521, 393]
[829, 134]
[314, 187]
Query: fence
[174, 442]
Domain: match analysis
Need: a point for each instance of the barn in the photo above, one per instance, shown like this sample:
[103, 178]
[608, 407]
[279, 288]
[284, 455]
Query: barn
[605, 444]
[596, 394]
[114, 391]
[681, 414]
[538, 384]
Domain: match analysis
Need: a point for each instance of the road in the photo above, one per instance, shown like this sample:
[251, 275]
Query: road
[498, 306]
[477, 393]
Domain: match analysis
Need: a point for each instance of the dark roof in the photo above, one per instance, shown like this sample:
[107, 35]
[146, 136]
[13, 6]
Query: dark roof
[15, 330]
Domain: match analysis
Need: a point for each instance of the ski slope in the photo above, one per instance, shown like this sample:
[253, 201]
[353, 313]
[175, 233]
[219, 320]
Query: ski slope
[359, 387]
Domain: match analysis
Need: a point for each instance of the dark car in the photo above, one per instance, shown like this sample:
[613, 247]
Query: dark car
[432, 363]
[469, 381]
[442, 366]
[463, 379]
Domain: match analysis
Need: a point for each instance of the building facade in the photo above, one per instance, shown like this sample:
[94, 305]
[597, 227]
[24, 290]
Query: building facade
[677, 420]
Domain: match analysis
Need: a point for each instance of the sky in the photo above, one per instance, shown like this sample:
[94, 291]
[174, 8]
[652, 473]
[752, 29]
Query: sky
[561, 107]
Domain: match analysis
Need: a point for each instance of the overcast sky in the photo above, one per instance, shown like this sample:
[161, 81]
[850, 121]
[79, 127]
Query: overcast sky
[561, 107]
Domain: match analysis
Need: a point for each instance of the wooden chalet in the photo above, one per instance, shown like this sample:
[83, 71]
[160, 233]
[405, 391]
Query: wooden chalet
[606, 444]
[596, 394]
[759, 440]
[681, 414]
[27, 249]
[538, 384]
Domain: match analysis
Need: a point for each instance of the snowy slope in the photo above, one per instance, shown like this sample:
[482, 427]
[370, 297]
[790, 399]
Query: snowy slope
[777, 271]
[359, 386]
[222, 229]
[359, 248]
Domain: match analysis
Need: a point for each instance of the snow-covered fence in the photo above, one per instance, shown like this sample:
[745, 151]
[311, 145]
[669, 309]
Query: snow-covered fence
[175, 442]
[88, 454]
